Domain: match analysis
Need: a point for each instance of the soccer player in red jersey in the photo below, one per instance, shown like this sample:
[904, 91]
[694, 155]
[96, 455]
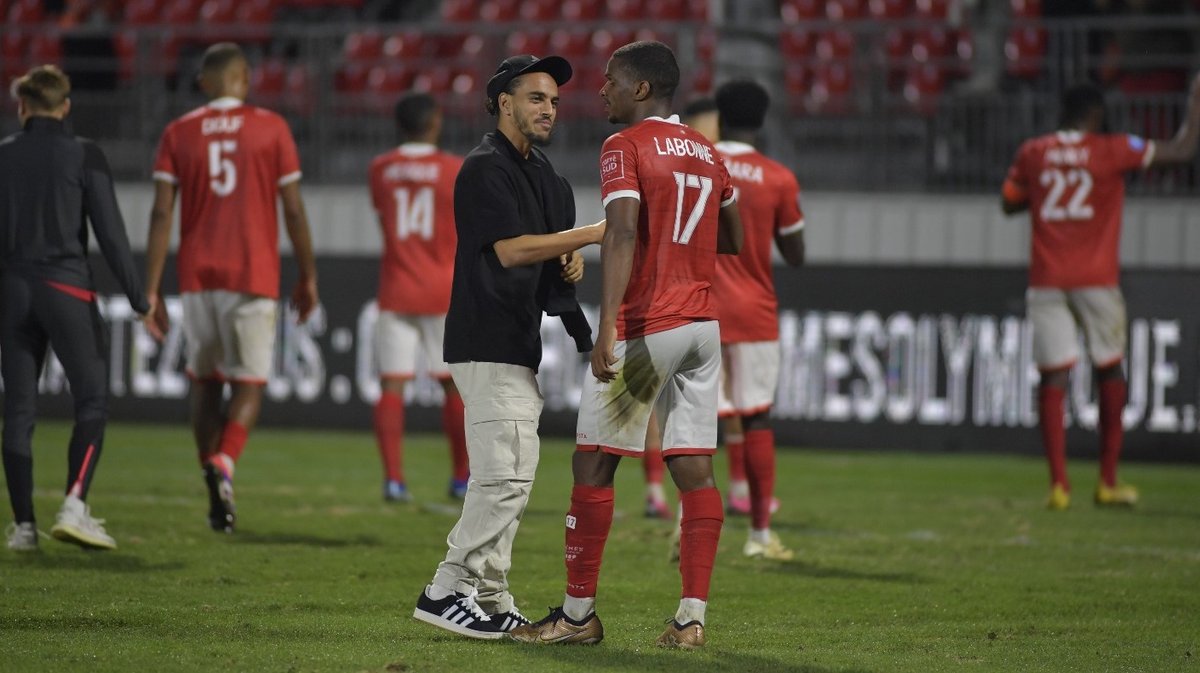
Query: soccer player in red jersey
[670, 208]
[412, 187]
[744, 294]
[1072, 182]
[229, 162]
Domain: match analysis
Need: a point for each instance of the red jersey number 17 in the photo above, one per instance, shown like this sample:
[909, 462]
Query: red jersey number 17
[414, 213]
[683, 182]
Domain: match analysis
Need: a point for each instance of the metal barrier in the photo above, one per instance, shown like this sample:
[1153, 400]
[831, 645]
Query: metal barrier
[954, 131]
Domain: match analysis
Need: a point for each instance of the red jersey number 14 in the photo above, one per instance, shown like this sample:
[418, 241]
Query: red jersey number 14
[414, 213]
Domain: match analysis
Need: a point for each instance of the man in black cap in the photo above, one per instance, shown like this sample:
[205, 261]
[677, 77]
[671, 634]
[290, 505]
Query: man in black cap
[516, 259]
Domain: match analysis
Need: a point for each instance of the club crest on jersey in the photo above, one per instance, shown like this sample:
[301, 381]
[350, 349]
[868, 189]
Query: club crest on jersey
[1136, 143]
[612, 165]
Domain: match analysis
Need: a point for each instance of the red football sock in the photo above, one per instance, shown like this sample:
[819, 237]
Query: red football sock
[700, 531]
[588, 524]
[453, 424]
[1054, 437]
[1112, 405]
[652, 464]
[737, 457]
[760, 469]
[233, 440]
[389, 429]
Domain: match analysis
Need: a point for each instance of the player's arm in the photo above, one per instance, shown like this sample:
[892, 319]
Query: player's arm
[616, 264]
[100, 199]
[730, 234]
[791, 246]
[536, 248]
[161, 215]
[1013, 196]
[295, 219]
[1182, 147]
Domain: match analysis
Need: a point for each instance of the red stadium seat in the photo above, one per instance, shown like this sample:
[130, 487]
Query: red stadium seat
[835, 45]
[181, 12]
[539, 10]
[388, 80]
[499, 11]
[435, 80]
[797, 78]
[845, 10]
[218, 12]
[1026, 9]
[268, 79]
[363, 47]
[124, 45]
[351, 78]
[1024, 51]
[667, 10]
[255, 12]
[26, 11]
[885, 10]
[532, 42]
[923, 87]
[459, 10]
[933, 9]
[298, 89]
[406, 45]
[931, 45]
[832, 88]
[964, 52]
[142, 12]
[464, 83]
[625, 10]
[571, 43]
[796, 43]
[605, 41]
[697, 10]
[798, 11]
[473, 48]
[897, 46]
[581, 10]
[45, 47]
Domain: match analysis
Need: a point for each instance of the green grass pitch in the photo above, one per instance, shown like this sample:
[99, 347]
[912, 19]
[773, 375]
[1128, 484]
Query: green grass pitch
[905, 562]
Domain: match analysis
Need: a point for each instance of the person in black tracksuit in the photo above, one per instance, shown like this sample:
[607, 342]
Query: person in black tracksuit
[51, 183]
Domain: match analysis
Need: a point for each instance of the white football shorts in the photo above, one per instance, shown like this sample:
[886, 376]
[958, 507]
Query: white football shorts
[1058, 316]
[400, 338]
[229, 335]
[749, 376]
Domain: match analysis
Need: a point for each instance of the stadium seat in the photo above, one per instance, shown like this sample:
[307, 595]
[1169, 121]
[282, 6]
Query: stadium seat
[435, 80]
[181, 12]
[605, 41]
[459, 11]
[571, 43]
[931, 44]
[351, 77]
[798, 11]
[218, 12]
[845, 10]
[142, 12]
[406, 45]
[25, 11]
[464, 83]
[697, 10]
[797, 78]
[888, 10]
[45, 47]
[897, 46]
[625, 10]
[499, 11]
[298, 89]
[527, 42]
[923, 87]
[539, 10]
[581, 10]
[1026, 9]
[255, 12]
[832, 88]
[365, 46]
[473, 48]
[667, 10]
[1024, 51]
[268, 79]
[796, 43]
[389, 80]
[835, 45]
[964, 53]
[933, 9]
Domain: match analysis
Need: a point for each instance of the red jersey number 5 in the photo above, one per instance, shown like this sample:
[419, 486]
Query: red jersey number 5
[221, 169]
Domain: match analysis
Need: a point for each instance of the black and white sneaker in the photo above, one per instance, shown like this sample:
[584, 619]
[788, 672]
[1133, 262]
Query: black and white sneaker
[458, 613]
[507, 621]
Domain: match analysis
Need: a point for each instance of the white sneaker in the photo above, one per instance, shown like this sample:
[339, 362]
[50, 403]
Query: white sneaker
[773, 549]
[22, 536]
[76, 525]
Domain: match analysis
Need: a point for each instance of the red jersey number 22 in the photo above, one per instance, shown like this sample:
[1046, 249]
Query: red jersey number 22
[1067, 198]
[683, 182]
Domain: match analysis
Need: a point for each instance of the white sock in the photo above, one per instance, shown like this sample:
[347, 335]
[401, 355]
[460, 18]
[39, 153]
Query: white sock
[437, 593]
[578, 609]
[760, 536]
[691, 610]
[655, 492]
[739, 489]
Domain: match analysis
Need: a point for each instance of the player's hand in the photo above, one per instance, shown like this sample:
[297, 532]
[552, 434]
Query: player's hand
[156, 320]
[600, 227]
[572, 266]
[603, 361]
[304, 298]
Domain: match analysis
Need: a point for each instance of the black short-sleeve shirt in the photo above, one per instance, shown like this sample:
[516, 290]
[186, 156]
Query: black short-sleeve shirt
[496, 313]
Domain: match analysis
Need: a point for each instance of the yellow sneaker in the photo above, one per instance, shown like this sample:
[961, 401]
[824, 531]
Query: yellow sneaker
[772, 550]
[1116, 496]
[1060, 498]
[688, 636]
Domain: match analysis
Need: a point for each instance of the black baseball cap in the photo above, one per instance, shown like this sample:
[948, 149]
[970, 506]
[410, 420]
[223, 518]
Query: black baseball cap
[515, 66]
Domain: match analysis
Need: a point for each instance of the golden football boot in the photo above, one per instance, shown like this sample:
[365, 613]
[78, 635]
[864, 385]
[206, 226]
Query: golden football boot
[772, 550]
[557, 627]
[1060, 498]
[678, 636]
[1116, 496]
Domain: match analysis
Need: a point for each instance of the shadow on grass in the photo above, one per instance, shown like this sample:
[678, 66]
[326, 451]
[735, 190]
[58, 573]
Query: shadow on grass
[303, 539]
[86, 560]
[826, 572]
[712, 659]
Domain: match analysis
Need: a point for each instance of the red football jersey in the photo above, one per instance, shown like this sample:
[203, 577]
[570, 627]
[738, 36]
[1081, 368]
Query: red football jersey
[229, 160]
[769, 203]
[412, 188]
[1075, 187]
[681, 181]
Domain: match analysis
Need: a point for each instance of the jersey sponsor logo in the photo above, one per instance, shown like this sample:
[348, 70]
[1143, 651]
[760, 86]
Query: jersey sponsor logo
[744, 172]
[612, 165]
[683, 147]
[412, 171]
[1136, 143]
[222, 124]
